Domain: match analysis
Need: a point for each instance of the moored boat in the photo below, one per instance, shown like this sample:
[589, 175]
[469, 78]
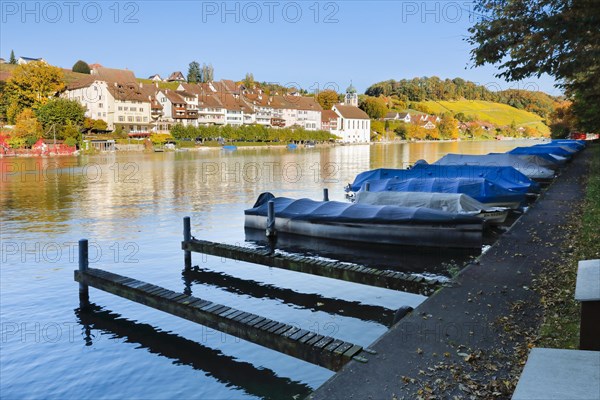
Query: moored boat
[529, 166]
[410, 226]
[482, 190]
[507, 177]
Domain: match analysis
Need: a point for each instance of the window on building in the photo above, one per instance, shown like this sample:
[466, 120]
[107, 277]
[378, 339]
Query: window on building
[145, 119]
[100, 105]
[120, 108]
[138, 119]
[133, 109]
[130, 118]
[121, 118]
[125, 108]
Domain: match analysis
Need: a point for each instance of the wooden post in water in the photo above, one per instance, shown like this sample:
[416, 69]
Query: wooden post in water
[271, 219]
[367, 186]
[187, 236]
[84, 291]
[325, 194]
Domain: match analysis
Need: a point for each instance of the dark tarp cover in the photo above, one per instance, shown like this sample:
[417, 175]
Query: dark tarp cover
[507, 177]
[335, 211]
[480, 189]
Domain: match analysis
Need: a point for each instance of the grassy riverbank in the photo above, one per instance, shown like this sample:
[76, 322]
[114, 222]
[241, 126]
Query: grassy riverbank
[560, 328]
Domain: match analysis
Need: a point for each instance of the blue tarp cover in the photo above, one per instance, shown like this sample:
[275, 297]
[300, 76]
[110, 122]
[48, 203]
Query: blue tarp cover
[335, 211]
[537, 150]
[576, 144]
[529, 165]
[507, 177]
[480, 189]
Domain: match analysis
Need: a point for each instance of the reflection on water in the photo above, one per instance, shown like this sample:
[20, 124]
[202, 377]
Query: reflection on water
[131, 206]
[255, 381]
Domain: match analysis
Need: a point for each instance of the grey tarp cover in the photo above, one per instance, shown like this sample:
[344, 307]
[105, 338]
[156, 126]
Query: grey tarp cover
[334, 211]
[450, 202]
[528, 165]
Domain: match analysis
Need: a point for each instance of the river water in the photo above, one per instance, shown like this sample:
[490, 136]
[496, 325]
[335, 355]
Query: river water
[130, 206]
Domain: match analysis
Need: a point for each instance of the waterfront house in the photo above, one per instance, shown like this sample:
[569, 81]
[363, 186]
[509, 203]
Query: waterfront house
[329, 120]
[178, 108]
[353, 124]
[115, 97]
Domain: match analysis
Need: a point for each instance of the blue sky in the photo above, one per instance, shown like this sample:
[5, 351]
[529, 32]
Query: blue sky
[314, 44]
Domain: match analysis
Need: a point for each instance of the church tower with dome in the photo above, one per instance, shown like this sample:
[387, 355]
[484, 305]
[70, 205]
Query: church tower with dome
[351, 96]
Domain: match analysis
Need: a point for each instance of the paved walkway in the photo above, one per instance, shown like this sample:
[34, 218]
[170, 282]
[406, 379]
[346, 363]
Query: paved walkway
[456, 335]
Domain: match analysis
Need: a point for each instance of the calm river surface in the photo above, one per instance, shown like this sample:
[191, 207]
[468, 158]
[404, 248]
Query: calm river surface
[130, 206]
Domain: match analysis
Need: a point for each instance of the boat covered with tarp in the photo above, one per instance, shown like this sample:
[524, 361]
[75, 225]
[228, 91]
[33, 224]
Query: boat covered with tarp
[482, 190]
[575, 144]
[549, 161]
[508, 177]
[382, 224]
[529, 165]
[456, 203]
[551, 150]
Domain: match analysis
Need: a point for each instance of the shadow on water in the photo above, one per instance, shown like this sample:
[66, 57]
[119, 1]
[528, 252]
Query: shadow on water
[398, 258]
[255, 381]
[310, 301]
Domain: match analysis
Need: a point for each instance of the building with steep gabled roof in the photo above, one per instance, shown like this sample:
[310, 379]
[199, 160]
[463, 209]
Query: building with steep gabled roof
[27, 60]
[353, 124]
[115, 97]
[176, 76]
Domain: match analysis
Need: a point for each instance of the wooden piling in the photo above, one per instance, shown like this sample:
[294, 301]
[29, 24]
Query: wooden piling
[271, 219]
[187, 235]
[84, 292]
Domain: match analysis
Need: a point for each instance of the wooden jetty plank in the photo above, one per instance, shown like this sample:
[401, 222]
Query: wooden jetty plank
[352, 273]
[275, 335]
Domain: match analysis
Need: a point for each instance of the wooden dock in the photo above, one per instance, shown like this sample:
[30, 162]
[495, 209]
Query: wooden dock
[336, 270]
[321, 350]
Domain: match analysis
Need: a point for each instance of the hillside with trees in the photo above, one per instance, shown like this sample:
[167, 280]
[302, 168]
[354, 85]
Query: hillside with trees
[436, 89]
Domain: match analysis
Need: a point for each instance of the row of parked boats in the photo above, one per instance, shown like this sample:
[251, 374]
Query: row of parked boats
[445, 204]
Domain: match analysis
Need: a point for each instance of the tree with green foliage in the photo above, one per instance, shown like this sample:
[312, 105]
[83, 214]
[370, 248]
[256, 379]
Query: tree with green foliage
[327, 98]
[533, 37]
[194, 74]
[12, 60]
[31, 85]
[70, 131]
[60, 112]
[401, 131]
[82, 67]
[375, 107]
